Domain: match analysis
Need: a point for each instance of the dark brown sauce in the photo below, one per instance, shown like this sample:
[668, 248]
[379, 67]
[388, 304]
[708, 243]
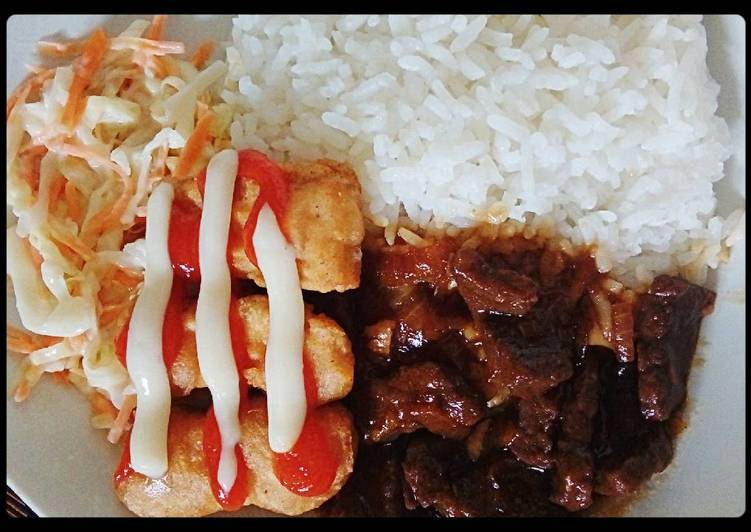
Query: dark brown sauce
[435, 329]
[621, 506]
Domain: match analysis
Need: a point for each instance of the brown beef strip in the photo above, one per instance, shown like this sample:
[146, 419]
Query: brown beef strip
[422, 395]
[439, 474]
[572, 477]
[531, 354]
[528, 366]
[375, 488]
[628, 449]
[595, 438]
[487, 288]
[533, 441]
[405, 265]
[668, 319]
[424, 317]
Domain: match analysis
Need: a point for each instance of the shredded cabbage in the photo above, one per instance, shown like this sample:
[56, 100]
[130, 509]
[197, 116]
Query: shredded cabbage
[53, 353]
[104, 371]
[132, 257]
[180, 107]
[33, 218]
[61, 182]
[136, 28]
[166, 137]
[40, 311]
[14, 132]
[104, 110]
[42, 119]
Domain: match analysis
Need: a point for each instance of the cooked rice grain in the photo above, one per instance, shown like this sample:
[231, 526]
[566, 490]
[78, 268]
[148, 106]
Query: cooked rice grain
[601, 127]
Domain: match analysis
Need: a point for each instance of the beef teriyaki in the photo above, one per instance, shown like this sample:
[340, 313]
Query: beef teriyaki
[510, 380]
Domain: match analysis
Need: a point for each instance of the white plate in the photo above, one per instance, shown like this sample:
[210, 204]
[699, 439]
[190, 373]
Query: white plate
[60, 466]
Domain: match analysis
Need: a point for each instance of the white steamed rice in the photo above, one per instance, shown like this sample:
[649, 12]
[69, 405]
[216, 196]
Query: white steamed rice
[602, 127]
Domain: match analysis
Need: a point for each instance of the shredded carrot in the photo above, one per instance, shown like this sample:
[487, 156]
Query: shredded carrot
[160, 67]
[108, 215]
[23, 390]
[33, 150]
[109, 315]
[147, 48]
[21, 96]
[106, 276]
[150, 62]
[160, 161]
[59, 49]
[33, 82]
[61, 376]
[72, 242]
[25, 342]
[73, 199]
[157, 27]
[57, 187]
[202, 54]
[222, 144]
[30, 375]
[171, 66]
[89, 155]
[125, 278]
[124, 86]
[101, 405]
[122, 420]
[91, 57]
[194, 146]
[69, 254]
[30, 159]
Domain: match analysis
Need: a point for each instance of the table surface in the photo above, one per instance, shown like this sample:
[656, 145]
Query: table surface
[15, 507]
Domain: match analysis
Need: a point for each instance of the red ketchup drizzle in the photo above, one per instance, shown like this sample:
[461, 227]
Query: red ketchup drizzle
[212, 447]
[211, 436]
[212, 441]
[309, 468]
[273, 188]
[185, 223]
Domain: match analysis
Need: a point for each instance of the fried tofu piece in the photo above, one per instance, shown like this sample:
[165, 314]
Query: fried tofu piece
[185, 490]
[323, 221]
[327, 348]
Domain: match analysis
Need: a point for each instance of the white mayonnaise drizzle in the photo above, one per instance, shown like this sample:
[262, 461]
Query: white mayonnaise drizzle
[285, 386]
[148, 441]
[213, 340]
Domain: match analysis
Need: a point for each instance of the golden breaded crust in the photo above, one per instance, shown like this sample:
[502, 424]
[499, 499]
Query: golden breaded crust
[268, 492]
[324, 223]
[327, 347]
[185, 491]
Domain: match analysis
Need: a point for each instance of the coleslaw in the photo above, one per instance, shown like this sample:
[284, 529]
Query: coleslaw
[86, 145]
